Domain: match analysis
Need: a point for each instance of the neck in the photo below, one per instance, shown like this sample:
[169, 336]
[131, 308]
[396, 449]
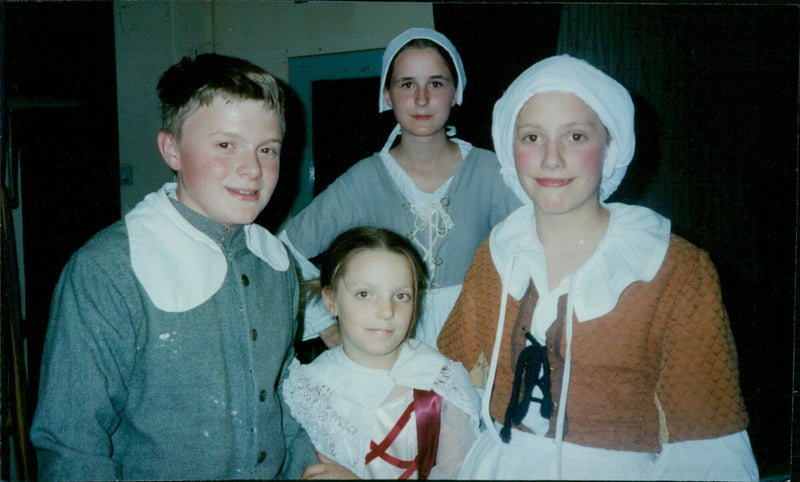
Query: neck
[585, 226]
[423, 152]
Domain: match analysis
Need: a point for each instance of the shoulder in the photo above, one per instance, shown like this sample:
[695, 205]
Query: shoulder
[482, 159]
[683, 253]
[269, 248]
[456, 373]
[305, 378]
[484, 252]
[455, 386]
[114, 236]
[686, 267]
[108, 247]
[100, 270]
[681, 247]
[321, 368]
[482, 267]
[362, 177]
[369, 165]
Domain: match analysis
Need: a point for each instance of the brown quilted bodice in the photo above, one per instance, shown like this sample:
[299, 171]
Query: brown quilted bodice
[661, 367]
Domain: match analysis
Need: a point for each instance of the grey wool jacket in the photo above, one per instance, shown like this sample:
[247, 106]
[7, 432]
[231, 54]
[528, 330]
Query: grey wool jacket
[131, 391]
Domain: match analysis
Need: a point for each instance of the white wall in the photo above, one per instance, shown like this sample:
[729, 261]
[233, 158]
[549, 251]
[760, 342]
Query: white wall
[152, 35]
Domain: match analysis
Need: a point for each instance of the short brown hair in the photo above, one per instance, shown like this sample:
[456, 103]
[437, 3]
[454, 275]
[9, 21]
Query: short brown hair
[196, 82]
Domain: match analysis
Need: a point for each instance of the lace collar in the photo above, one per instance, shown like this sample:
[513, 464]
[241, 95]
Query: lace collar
[418, 366]
[632, 249]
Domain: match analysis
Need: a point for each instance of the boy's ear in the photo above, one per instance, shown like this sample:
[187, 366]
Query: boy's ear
[327, 299]
[170, 151]
[387, 97]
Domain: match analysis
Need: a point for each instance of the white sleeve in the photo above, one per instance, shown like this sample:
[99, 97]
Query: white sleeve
[724, 458]
[458, 431]
[315, 318]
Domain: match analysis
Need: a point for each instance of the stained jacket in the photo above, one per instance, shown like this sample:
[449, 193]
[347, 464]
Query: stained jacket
[172, 376]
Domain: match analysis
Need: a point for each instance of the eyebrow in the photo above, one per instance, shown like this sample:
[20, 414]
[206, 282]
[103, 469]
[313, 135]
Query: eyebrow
[568, 124]
[271, 140]
[432, 77]
[580, 123]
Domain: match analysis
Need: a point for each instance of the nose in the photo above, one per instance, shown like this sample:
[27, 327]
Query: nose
[249, 166]
[553, 157]
[385, 309]
[421, 96]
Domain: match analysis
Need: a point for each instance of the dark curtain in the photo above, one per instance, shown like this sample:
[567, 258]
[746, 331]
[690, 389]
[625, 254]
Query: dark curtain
[716, 95]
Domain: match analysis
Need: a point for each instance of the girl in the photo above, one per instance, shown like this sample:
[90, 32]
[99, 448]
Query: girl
[440, 192]
[616, 325]
[380, 405]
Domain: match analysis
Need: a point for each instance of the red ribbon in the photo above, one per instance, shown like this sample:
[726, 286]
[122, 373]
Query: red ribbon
[428, 409]
[427, 406]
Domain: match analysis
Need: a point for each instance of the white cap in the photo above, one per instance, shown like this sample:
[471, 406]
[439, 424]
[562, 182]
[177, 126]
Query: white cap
[608, 98]
[432, 35]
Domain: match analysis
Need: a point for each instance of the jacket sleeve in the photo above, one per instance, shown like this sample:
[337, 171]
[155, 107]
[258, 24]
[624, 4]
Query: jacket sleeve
[703, 418]
[87, 358]
[463, 337]
[299, 449]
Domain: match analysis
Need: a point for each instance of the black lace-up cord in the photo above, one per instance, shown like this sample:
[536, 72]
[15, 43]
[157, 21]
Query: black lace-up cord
[531, 361]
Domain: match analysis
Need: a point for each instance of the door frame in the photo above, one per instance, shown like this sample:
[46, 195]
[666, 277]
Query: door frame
[305, 70]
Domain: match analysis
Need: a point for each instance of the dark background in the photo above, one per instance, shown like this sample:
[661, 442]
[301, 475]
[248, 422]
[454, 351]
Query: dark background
[719, 159]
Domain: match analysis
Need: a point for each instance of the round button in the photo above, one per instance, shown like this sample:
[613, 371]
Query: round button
[262, 457]
[245, 280]
[254, 334]
[262, 395]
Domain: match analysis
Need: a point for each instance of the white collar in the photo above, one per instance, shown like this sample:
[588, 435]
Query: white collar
[418, 366]
[179, 266]
[406, 185]
[632, 249]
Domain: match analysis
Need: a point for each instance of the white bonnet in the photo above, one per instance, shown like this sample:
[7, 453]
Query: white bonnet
[608, 98]
[426, 33]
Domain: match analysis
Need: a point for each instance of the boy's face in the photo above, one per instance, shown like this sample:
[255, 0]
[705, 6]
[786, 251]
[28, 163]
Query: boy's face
[227, 159]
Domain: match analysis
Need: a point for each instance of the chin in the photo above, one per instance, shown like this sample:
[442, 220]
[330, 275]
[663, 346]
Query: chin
[549, 207]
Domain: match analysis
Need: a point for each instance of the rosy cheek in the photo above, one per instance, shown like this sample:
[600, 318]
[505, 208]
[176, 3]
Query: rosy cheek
[590, 157]
[523, 160]
[270, 171]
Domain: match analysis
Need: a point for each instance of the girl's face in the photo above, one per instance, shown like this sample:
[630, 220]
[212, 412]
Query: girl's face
[374, 301]
[559, 147]
[421, 91]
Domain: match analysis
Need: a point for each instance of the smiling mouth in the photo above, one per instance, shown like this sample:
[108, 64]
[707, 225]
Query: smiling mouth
[244, 192]
[553, 182]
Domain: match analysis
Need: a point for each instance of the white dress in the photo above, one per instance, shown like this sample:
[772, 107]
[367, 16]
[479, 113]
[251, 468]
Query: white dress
[349, 410]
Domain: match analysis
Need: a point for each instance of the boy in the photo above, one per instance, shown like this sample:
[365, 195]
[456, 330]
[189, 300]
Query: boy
[171, 330]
